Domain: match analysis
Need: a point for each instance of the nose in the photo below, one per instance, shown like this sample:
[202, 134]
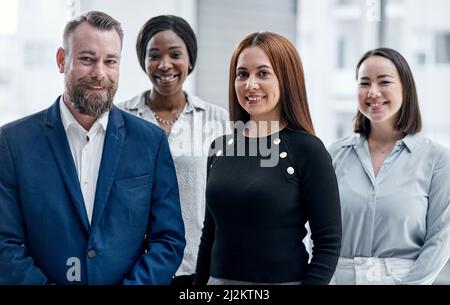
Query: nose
[165, 63]
[251, 83]
[98, 71]
[373, 92]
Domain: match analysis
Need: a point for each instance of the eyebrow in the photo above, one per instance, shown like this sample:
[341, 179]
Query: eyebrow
[112, 56]
[379, 76]
[259, 67]
[170, 48]
[88, 52]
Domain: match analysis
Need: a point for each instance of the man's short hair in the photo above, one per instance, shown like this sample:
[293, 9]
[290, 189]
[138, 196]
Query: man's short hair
[96, 19]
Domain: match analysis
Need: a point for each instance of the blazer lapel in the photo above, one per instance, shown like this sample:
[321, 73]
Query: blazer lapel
[60, 148]
[114, 139]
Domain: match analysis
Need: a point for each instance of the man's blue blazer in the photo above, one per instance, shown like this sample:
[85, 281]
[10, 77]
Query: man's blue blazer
[137, 232]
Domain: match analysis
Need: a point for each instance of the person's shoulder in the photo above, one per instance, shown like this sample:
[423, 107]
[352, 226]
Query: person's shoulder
[299, 139]
[436, 146]
[27, 126]
[135, 124]
[210, 108]
[26, 120]
[439, 152]
[219, 142]
[305, 149]
[131, 105]
[343, 143]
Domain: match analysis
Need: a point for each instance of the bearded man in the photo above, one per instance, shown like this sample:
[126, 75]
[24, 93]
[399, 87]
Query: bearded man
[88, 193]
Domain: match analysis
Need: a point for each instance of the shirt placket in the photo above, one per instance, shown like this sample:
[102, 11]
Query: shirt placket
[86, 173]
[376, 182]
[362, 151]
[388, 163]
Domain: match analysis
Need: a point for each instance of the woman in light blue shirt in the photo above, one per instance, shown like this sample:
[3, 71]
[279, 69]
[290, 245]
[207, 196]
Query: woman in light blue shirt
[394, 184]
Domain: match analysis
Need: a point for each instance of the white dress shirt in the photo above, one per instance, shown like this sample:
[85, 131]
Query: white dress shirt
[87, 149]
[403, 211]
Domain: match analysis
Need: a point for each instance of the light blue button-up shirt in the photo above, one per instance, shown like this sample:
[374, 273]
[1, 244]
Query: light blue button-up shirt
[403, 211]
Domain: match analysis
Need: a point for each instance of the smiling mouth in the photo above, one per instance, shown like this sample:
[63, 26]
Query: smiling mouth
[254, 99]
[166, 79]
[96, 87]
[376, 105]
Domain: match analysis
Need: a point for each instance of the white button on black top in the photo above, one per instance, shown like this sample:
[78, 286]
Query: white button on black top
[283, 155]
[91, 253]
[276, 141]
[290, 170]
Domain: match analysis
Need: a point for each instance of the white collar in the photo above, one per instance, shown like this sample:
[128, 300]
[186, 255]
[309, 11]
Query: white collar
[138, 104]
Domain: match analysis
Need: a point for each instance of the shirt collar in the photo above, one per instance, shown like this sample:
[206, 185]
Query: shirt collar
[410, 141]
[353, 140]
[193, 103]
[136, 104]
[69, 120]
[66, 116]
[103, 121]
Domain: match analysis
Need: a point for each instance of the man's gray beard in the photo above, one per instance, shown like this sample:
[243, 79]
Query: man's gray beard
[92, 104]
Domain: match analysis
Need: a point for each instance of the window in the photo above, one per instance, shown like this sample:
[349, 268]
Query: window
[4, 79]
[344, 124]
[38, 55]
[222, 24]
[443, 48]
[346, 2]
[420, 58]
[347, 44]
[341, 53]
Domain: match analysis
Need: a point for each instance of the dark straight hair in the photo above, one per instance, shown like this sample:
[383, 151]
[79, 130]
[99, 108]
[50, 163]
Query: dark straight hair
[163, 23]
[289, 71]
[409, 119]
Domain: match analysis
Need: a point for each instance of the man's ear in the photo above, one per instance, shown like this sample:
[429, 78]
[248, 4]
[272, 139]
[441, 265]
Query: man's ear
[60, 59]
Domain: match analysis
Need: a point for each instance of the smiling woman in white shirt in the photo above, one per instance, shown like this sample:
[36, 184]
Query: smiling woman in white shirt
[167, 51]
[394, 184]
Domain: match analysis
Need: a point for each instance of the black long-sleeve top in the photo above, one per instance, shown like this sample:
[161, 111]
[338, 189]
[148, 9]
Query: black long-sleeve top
[255, 215]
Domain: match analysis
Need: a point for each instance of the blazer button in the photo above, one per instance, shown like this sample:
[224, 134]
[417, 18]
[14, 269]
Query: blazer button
[91, 253]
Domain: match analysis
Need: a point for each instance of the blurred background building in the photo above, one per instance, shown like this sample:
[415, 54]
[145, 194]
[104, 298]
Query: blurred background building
[331, 35]
[331, 45]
